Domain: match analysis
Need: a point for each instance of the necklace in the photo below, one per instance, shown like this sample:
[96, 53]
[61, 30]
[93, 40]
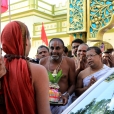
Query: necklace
[57, 68]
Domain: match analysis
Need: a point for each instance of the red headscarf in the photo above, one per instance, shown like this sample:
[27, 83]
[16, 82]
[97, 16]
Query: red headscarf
[17, 83]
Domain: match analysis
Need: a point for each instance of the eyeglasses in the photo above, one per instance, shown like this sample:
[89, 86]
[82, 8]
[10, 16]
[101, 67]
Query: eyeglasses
[91, 56]
[75, 47]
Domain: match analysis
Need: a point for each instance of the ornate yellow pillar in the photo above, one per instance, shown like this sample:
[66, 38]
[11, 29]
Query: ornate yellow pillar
[90, 19]
[76, 19]
[100, 18]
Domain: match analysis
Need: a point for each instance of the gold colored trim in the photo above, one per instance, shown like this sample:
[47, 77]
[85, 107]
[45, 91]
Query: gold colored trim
[88, 21]
[106, 28]
[84, 18]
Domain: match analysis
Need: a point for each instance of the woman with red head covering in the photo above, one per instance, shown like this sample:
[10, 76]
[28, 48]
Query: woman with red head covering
[24, 87]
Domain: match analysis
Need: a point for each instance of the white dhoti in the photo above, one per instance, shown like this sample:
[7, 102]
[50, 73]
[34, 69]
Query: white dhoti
[96, 75]
[60, 109]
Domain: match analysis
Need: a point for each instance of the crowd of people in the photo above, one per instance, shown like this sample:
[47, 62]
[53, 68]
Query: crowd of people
[24, 82]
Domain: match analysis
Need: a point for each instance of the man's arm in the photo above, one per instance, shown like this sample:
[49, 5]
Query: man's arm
[79, 85]
[71, 76]
[71, 80]
[79, 89]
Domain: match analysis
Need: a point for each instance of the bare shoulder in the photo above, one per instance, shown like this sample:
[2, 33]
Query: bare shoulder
[43, 60]
[38, 71]
[36, 66]
[83, 73]
[69, 60]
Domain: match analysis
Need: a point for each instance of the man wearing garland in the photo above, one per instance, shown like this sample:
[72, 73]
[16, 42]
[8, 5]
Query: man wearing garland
[56, 62]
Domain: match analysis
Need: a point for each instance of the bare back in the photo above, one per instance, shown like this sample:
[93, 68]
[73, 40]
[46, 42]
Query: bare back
[41, 87]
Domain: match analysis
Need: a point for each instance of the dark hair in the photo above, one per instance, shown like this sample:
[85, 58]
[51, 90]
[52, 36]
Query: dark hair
[65, 49]
[97, 49]
[43, 46]
[77, 41]
[106, 52]
[58, 40]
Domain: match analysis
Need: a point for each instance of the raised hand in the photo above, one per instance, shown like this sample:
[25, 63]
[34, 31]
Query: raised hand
[92, 81]
[109, 61]
[81, 63]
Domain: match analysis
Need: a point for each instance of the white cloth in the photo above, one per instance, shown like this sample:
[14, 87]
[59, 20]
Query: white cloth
[60, 109]
[97, 75]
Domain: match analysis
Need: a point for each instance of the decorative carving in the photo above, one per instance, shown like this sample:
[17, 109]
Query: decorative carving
[77, 16]
[100, 15]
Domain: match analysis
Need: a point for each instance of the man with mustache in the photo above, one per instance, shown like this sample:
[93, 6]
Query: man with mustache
[91, 74]
[56, 62]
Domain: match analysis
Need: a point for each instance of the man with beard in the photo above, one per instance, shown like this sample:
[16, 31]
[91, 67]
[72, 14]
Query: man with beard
[91, 74]
[56, 61]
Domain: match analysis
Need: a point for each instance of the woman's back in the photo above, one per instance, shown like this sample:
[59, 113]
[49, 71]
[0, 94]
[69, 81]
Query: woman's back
[21, 86]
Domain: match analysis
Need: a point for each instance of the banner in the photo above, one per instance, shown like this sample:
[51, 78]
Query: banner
[43, 35]
[4, 6]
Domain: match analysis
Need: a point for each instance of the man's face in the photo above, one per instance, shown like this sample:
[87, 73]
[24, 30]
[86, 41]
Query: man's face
[74, 48]
[42, 52]
[81, 52]
[105, 56]
[56, 49]
[93, 59]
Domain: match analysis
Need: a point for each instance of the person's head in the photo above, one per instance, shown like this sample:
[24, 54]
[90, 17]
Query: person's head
[105, 55]
[56, 48]
[94, 56]
[75, 43]
[81, 52]
[15, 39]
[65, 51]
[42, 51]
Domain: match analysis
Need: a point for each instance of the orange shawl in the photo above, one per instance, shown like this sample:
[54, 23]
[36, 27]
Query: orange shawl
[17, 83]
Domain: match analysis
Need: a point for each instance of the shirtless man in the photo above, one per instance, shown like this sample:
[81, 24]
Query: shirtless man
[81, 61]
[67, 81]
[75, 44]
[90, 75]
